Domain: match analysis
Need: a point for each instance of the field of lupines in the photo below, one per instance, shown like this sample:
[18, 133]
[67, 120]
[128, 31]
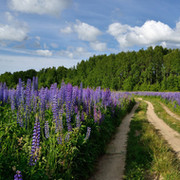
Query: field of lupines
[56, 133]
[170, 98]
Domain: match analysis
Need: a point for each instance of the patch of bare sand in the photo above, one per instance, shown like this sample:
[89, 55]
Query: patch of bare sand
[111, 165]
[171, 136]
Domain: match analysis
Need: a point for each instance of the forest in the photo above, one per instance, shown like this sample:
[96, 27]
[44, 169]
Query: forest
[153, 69]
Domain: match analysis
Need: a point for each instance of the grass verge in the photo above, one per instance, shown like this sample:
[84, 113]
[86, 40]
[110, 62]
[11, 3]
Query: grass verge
[162, 114]
[148, 155]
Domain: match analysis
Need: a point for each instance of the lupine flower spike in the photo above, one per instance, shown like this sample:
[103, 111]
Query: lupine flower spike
[18, 175]
[35, 143]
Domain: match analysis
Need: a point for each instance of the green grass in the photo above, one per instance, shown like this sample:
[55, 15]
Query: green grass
[148, 155]
[162, 114]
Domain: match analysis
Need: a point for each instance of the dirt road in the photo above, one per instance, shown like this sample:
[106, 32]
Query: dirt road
[170, 112]
[111, 165]
[171, 136]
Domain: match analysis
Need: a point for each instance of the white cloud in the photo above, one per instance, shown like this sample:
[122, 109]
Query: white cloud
[38, 38]
[98, 46]
[66, 30]
[150, 33]
[13, 30]
[9, 17]
[78, 52]
[54, 45]
[42, 52]
[52, 7]
[86, 32]
[11, 33]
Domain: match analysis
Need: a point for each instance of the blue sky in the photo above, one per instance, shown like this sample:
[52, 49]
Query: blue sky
[45, 33]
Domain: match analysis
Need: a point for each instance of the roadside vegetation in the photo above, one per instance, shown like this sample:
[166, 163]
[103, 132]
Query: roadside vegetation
[162, 114]
[148, 155]
[56, 133]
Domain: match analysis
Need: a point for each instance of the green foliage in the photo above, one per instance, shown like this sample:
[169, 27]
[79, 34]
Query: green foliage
[148, 155]
[171, 121]
[153, 69]
[73, 158]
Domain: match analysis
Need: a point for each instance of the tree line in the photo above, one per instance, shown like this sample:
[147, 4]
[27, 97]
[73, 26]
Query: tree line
[153, 69]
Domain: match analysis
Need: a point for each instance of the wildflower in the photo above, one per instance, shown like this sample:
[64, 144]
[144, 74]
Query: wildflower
[18, 175]
[35, 143]
[88, 133]
[68, 105]
[67, 137]
[95, 114]
[82, 116]
[46, 128]
[78, 121]
[59, 139]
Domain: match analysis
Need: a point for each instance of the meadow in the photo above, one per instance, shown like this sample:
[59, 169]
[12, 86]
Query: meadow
[56, 133]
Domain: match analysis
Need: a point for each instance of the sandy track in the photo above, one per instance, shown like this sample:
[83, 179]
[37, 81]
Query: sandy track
[170, 112]
[111, 165]
[171, 136]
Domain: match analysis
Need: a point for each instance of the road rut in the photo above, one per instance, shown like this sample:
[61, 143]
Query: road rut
[111, 165]
[171, 136]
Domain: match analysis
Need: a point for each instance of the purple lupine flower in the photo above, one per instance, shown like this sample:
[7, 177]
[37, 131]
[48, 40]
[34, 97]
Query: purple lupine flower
[67, 137]
[95, 114]
[62, 93]
[78, 121]
[60, 120]
[76, 109]
[106, 98]
[52, 92]
[46, 129]
[35, 143]
[55, 110]
[75, 96]
[19, 93]
[20, 115]
[35, 84]
[12, 99]
[42, 96]
[5, 93]
[35, 101]
[28, 100]
[88, 133]
[59, 139]
[28, 93]
[99, 115]
[82, 116]
[68, 105]
[80, 94]
[18, 175]
[97, 94]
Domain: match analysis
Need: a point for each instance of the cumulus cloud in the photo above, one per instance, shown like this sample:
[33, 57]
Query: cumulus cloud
[150, 33]
[98, 46]
[13, 30]
[66, 30]
[86, 32]
[42, 52]
[11, 33]
[52, 7]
